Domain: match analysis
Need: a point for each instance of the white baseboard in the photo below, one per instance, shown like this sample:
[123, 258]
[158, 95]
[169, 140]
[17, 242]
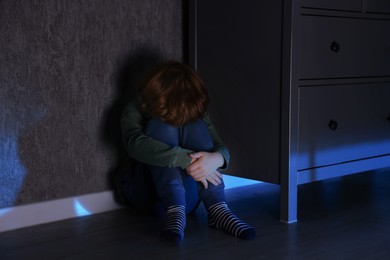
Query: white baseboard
[55, 210]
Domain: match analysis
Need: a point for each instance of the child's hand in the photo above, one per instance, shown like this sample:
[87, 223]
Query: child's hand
[214, 178]
[204, 167]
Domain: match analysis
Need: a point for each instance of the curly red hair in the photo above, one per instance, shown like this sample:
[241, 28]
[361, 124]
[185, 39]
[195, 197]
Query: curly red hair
[174, 92]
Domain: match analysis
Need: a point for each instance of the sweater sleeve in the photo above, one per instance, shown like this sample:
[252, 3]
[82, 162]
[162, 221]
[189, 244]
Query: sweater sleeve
[148, 150]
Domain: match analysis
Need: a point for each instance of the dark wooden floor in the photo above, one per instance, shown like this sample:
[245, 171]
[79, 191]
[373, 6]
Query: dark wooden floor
[342, 218]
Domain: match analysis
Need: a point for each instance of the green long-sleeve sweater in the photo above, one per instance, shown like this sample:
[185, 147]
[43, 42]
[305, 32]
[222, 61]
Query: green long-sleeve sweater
[150, 151]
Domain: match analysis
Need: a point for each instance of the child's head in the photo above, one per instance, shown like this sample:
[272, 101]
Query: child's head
[173, 92]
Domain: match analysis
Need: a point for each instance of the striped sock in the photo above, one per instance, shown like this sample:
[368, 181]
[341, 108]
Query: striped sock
[174, 224]
[222, 218]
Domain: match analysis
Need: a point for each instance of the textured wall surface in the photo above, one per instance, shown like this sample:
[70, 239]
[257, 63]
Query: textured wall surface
[66, 69]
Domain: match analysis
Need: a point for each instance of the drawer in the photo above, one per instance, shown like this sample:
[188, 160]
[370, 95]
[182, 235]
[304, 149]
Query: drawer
[343, 123]
[377, 6]
[346, 5]
[335, 47]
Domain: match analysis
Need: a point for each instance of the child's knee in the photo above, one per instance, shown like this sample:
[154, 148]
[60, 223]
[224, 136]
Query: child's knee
[196, 136]
[162, 131]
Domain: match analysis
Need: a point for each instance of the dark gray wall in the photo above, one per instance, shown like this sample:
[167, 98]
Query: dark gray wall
[66, 69]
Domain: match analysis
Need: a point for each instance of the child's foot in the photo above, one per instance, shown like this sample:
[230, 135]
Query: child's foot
[222, 218]
[174, 224]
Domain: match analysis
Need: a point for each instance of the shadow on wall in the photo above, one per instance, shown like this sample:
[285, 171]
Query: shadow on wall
[134, 66]
[66, 71]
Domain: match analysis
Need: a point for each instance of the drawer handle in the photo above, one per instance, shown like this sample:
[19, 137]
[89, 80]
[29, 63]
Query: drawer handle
[332, 125]
[335, 47]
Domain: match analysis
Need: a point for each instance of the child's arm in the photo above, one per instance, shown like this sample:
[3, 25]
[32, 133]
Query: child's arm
[204, 165]
[148, 150]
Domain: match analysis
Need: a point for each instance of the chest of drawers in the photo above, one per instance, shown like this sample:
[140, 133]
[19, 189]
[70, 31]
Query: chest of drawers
[300, 89]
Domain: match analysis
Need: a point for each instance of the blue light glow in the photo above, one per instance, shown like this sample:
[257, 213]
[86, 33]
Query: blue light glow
[21, 107]
[4, 212]
[11, 169]
[234, 182]
[80, 209]
[339, 154]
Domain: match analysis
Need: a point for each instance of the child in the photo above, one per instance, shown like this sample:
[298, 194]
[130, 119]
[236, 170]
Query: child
[177, 152]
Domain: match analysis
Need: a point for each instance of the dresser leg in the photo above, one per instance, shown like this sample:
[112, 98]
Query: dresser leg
[288, 199]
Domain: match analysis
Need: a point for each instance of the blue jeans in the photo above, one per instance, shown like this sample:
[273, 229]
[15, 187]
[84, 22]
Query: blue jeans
[155, 188]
